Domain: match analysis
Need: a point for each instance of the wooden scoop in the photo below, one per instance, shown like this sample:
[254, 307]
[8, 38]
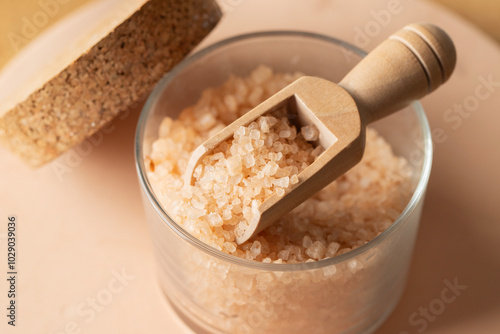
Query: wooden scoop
[410, 64]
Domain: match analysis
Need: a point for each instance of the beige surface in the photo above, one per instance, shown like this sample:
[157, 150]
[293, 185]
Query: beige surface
[81, 226]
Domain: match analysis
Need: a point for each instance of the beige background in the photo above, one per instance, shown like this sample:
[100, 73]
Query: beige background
[483, 13]
[78, 230]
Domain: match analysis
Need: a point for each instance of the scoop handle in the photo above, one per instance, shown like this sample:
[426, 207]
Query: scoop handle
[407, 66]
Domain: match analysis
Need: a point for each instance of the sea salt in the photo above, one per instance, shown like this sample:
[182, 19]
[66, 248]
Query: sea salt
[316, 251]
[332, 249]
[283, 182]
[255, 250]
[265, 158]
[310, 132]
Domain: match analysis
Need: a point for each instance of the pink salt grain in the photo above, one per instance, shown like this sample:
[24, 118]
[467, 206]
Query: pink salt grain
[332, 249]
[285, 133]
[215, 220]
[307, 241]
[329, 271]
[316, 251]
[229, 247]
[283, 182]
[255, 250]
[280, 191]
[355, 266]
[284, 254]
[310, 132]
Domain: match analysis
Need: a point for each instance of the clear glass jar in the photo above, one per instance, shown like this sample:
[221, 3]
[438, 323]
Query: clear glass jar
[218, 293]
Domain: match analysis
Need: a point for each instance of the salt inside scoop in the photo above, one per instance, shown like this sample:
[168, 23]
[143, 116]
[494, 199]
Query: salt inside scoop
[262, 158]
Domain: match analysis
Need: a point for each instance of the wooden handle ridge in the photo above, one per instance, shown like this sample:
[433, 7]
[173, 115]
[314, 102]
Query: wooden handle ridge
[407, 66]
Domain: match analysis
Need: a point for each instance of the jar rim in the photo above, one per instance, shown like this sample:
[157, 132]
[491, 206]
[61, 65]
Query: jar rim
[186, 236]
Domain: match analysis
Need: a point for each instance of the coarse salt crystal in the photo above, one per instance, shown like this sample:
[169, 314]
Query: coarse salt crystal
[268, 141]
[227, 214]
[285, 133]
[233, 165]
[240, 132]
[261, 74]
[221, 177]
[249, 147]
[254, 134]
[165, 127]
[259, 143]
[222, 201]
[317, 151]
[355, 266]
[237, 209]
[265, 127]
[310, 132]
[332, 249]
[307, 241]
[206, 122]
[270, 169]
[283, 182]
[278, 147]
[249, 160]
[256, 248]
[197, 203]
[229, 247]
[245, 282]
[197, 171]
[329, 271]
[316, 250]
[217, 156]
[231, 103]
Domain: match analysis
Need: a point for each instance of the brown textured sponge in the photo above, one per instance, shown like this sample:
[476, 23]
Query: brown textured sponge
[114, 74]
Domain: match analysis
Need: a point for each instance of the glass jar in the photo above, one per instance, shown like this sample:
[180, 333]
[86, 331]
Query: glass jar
[218, 293]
